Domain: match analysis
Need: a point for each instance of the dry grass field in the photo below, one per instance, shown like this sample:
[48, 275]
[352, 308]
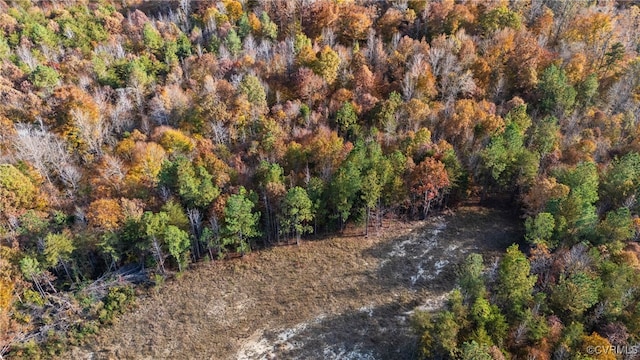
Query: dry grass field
[339, 298]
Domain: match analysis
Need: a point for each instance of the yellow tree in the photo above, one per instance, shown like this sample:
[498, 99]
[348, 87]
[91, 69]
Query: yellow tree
[328, 150]
[597, 347]
[327, 64]
[105, 214]
[146, 164]
[16, 190]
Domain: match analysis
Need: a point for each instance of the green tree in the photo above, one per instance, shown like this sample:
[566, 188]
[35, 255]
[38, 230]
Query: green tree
[539, 229]
[193, 183]
[184, 46]
[44, 77]
[300, 42]
[244, 27]
[496, 325]
[616, 228]
[371, 192]
[474, 351]
[536, 325]
[545, 136]
[164, 234]
[269, 28]
[515, 283]
[296, 213]
[499, 18]
[505, 161]
[270, 179]
[439, 334]
[175, 215]
[170, 53]
[480, 311]
[57, 250]
[587, 90]
[240, 222]
[178, 243]
[621, 181]
[5, 50]
[576, 293]
[31, 270]
[346, 184]
[386, 111]
[137, 72]
[128, 244]
[152, 39]
[154, 226]
[317, 192]
[251, 86]
[41, 35]
[576, 215]
[395, 192]
[618, 278]
[470, 277]
[557, 95]
[233, 42]
[347, 121]
[376, 171]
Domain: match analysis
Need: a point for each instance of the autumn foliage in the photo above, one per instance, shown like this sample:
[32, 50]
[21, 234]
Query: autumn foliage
[143, 136]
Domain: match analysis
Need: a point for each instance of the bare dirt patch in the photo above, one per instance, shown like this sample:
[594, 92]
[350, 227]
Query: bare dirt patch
[339, 298]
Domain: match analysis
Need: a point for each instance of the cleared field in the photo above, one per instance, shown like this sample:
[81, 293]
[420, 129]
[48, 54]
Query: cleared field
[340, 298]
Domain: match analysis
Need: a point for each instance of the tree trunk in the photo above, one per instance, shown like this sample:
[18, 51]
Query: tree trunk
[196, 223]
[379, 217]
[51, 286]
[366, 222]
[267, 216]
[39, 288]
[64, 266]
[158, 253]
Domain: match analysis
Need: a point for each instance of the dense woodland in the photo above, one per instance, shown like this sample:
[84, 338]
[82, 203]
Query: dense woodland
[139, 137]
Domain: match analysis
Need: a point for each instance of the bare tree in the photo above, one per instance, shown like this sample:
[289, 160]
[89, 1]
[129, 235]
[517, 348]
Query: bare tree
[93, 132]
[416, 68]
[157, 253]
[329, 37]
[25, 55]
[47, 153]
[219, 131]
[34, 146]
[120, 116]
[70, 176]
[453, 79]
[158, 112]
[265, 50]
[249, 46]
[114, 171]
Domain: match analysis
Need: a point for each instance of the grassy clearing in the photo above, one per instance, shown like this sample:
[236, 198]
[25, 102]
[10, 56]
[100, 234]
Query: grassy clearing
[343, 297]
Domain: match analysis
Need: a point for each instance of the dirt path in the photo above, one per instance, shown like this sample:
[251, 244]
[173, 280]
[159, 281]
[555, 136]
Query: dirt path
[341, 298]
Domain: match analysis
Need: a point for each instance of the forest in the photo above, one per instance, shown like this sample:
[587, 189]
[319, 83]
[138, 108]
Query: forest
[139, 137]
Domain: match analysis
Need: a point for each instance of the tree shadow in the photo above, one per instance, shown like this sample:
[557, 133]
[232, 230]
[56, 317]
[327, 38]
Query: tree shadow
[428, 257]
[417, 269]
[381, 332]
